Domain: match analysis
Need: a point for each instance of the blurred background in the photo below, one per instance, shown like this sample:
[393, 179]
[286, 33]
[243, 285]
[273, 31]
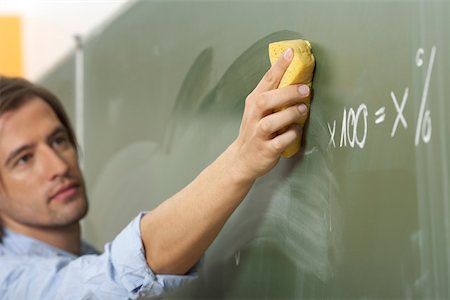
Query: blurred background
[156, 92]
[39, 34]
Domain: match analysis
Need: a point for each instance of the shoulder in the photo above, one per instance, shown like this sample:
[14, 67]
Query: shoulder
[18, 271]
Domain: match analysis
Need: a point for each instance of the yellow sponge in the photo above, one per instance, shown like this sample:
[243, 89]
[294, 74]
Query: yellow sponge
[300, 71]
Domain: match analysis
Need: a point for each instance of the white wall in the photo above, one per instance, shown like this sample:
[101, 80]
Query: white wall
[49, 27]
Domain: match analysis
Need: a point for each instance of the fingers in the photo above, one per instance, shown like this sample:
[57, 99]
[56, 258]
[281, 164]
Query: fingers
[277, 121]
[284, 97]
[284, 140]
[273, 76]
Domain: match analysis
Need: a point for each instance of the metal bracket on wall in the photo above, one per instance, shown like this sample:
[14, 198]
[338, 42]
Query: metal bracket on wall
[79, 95]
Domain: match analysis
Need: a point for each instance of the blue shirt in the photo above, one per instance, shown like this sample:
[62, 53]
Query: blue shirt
[31, 269]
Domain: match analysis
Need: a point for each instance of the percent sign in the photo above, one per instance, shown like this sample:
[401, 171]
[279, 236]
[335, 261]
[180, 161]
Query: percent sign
[424, 127]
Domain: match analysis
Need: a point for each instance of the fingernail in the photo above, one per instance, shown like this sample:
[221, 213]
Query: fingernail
[303, 90]
[288, 54]
[302, 108]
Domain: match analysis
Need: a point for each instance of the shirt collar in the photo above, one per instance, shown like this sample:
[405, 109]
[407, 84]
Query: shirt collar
[19, 244]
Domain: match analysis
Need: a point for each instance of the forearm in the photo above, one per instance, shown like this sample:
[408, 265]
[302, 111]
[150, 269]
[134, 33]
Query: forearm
[178, 232]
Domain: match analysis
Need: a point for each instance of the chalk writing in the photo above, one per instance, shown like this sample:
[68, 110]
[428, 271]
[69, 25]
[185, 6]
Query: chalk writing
[354, 125]
[424, 118]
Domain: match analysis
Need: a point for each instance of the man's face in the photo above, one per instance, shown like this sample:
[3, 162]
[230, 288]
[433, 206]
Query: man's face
[40, 181]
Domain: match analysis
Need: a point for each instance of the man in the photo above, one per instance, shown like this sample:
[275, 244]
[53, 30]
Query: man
[43, 198]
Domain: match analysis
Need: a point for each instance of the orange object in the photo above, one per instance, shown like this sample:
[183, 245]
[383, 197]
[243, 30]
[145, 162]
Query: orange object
[10, 46]
[300, 71]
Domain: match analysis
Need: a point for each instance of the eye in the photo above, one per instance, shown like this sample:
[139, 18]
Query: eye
[24, 159]
[60, 142]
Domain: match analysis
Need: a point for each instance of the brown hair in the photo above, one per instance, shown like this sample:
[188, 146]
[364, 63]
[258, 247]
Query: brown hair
[15, 91]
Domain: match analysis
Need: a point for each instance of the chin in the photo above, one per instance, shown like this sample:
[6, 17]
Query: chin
[82, 209]
[73, 212]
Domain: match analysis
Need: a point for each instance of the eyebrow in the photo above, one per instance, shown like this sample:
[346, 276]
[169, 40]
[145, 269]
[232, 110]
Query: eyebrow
[16, 152]
[56, 131]
[23, 148]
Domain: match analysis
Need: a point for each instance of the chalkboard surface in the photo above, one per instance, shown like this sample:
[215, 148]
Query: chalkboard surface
[362, 212]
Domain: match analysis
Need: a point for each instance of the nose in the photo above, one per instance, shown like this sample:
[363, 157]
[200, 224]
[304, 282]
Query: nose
[54, 164]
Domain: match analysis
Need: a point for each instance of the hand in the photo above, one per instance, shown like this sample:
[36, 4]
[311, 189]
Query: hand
[260, 142]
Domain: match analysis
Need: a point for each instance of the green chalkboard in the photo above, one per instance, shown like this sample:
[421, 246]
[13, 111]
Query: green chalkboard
[362, 212]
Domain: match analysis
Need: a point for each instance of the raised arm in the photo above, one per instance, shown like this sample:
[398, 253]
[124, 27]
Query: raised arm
[178, 232]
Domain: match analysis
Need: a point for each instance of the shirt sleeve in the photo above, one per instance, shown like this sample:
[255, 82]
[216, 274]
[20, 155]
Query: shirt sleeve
[121, 272]
[128, 259]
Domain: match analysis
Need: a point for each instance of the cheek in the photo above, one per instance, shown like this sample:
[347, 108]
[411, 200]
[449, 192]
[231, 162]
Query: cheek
[18, 179]
[72, 160]
[20, 185]
[23, 199]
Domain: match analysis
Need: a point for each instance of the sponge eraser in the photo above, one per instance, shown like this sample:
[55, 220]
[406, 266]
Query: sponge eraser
[302, 66]
[300, 71]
